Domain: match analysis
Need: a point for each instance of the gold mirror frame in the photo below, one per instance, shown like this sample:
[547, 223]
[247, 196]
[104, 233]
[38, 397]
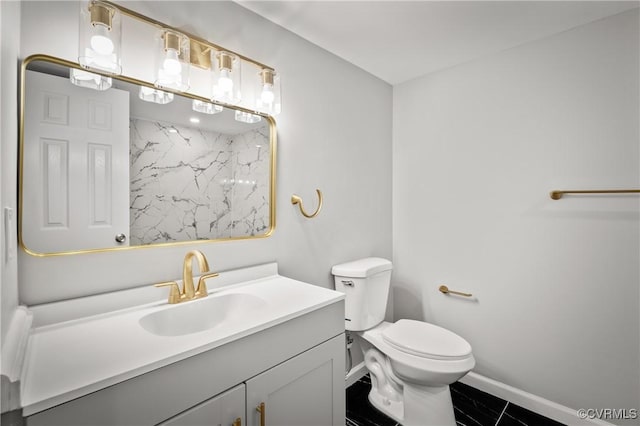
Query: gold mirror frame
[69, 64]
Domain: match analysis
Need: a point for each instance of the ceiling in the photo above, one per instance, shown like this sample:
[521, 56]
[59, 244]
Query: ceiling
[400, 40]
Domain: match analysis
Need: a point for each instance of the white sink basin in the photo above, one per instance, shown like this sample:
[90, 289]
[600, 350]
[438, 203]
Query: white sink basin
[200, 315]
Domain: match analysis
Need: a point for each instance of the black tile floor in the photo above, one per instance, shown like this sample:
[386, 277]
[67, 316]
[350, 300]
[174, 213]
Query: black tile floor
[472, 407]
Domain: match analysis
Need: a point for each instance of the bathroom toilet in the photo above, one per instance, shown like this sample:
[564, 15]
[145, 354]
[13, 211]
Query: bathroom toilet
[411, 363]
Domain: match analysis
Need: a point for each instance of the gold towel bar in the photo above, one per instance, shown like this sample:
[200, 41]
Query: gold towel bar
[445, 290]
[556, 195]
[297, 200]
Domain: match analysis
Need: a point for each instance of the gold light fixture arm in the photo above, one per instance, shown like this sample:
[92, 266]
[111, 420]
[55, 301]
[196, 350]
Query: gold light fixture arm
[199, 54]
[101, 14]
[445, 290]
[556, 195]
[204, 45]
[297, 200]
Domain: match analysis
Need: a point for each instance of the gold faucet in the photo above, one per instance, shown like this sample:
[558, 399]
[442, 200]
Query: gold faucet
[189, 292]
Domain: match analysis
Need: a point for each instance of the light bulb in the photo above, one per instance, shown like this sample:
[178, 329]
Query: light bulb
[267, 96]
[225, 82]
[171, 64]
[101, 42]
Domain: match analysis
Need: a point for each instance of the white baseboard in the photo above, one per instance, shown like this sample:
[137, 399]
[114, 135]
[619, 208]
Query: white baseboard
[531, 402]
[355, 374]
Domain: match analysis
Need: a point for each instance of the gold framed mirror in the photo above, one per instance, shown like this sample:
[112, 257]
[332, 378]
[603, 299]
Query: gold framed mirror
[112, 163]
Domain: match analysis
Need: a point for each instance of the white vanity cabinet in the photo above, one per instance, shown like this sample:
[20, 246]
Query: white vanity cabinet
[307, 390]
[296, 368]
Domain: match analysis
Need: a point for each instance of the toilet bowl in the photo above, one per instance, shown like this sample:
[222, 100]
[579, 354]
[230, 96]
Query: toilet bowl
[411, 363]
[420, 368]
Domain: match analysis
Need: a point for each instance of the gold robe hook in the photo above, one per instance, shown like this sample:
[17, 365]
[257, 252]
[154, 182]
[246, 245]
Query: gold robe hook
[297, 200]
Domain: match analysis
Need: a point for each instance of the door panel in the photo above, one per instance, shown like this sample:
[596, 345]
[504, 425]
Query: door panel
[55, 185]
[76, 186]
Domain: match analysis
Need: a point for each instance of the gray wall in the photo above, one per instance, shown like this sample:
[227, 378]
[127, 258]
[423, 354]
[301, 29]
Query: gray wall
[476, 150]
[334, 134]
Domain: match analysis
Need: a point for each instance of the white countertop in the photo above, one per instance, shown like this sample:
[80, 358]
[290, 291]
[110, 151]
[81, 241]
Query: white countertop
[70, 359]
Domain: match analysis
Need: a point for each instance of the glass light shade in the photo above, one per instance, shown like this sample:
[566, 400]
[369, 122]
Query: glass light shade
[226, 77]
[206, 107]
[268, 92]
[89, 80]
[247, 117]
[156, 96]
[172, 61]
[99, 45]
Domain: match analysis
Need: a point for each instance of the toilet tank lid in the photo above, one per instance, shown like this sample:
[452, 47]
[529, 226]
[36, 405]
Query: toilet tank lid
[362, 268]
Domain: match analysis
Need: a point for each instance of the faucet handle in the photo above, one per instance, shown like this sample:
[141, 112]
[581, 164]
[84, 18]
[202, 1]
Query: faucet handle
[201, 291]
[174, 292]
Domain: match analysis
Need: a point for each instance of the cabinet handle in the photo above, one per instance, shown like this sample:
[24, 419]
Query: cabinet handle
[262, 410]
[237, 422]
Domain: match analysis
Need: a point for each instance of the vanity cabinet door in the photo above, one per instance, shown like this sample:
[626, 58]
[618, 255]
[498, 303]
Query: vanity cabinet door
[221, 410]
[307, 390]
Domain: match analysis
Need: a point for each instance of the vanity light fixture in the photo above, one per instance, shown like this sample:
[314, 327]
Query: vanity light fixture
[206, 107]
[89, 80]
[268, 92]
[176, 53]
[172, 61]
[100, 34]
[247, 117]
[155, 96]
[226, 77]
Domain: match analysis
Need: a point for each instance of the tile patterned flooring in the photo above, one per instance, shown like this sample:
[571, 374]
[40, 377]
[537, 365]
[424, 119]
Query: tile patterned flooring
[472, 407]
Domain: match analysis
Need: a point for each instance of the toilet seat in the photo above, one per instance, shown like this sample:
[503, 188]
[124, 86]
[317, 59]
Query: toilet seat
[426, 340]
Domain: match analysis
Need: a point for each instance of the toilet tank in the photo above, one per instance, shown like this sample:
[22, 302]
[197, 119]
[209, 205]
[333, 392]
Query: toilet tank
[365, 282]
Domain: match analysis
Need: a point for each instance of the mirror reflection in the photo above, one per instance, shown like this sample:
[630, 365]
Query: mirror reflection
[107, 163]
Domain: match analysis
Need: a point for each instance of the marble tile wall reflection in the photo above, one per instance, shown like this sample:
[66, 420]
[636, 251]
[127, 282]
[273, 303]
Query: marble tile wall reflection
[190, 184]
[250, 190]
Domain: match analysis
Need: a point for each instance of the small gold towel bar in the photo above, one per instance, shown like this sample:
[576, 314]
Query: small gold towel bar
[297, 200]
[556, 195]
[445, 290]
